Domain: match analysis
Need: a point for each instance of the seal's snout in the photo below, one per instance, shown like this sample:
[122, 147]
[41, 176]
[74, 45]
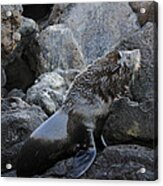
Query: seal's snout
[131, 59]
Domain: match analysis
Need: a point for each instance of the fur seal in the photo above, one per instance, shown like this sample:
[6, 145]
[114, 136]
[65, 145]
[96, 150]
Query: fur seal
[72, 130]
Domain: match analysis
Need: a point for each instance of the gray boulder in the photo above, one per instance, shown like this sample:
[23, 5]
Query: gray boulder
[58, 49]
[47, 92]
[97, 27]
[18, 120]
[16, 93]
[124, 162]
[57, 11]
[130, 121]
[119, 162]
[28, 27]
[68, 75]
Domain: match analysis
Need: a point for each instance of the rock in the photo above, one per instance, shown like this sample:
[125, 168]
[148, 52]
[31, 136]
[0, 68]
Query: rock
[10, 23]
[117, 162]
[97, 27]
[145, 40]
[19, 74]
[3, 77]
[20, 35]
[9, 174]
[16, 93]
[130, 122]
[18, 120]
[3, 92]
[58, 49]
[28, 27]
[47, 92]
[68, 75]
[57, 11]
[150, 13]
[17, 31]
[124, 162]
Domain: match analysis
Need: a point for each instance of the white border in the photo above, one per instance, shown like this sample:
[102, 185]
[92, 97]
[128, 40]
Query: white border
[61, 182]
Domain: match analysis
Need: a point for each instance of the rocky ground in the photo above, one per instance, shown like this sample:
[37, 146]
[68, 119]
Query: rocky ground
[43, 47]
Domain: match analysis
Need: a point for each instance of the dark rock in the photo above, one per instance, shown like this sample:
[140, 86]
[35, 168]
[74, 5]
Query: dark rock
[16, 93]
[3, 77]
[97, 27]
[18, 120]
[19, 75]
[129, 121]
[9, 174]
[58, 49]
[3, 92]
[150, 13]
[124, 162]
[118, 162]
[145, 40]
[47, 92]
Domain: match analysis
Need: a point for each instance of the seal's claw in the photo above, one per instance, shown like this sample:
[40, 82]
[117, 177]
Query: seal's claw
[81, 162]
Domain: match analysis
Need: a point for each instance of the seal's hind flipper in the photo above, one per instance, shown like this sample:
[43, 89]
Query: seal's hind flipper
[84, 158]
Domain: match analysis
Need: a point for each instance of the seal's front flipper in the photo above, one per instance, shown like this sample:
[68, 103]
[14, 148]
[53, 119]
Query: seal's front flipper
[84, 158]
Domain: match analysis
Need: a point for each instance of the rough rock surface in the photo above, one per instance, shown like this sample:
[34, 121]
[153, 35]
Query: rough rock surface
[16, 93]
[47, 92]
[131, 122]
[150, 13]
[19, 74]
[58, 49]
[18, 120]
[68, 75]
[57, 12]
[10, 23]
[3, 77]
[17, 33]
[117, 162]
[97, 27]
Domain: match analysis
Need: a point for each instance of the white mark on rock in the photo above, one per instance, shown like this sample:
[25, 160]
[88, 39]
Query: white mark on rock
[142, 10]
[8, 13]
[142, 170]
[8, 166]
[105, 173]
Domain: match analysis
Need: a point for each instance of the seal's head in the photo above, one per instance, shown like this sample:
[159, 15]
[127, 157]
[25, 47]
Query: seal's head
[130, 59]
[126, 66]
